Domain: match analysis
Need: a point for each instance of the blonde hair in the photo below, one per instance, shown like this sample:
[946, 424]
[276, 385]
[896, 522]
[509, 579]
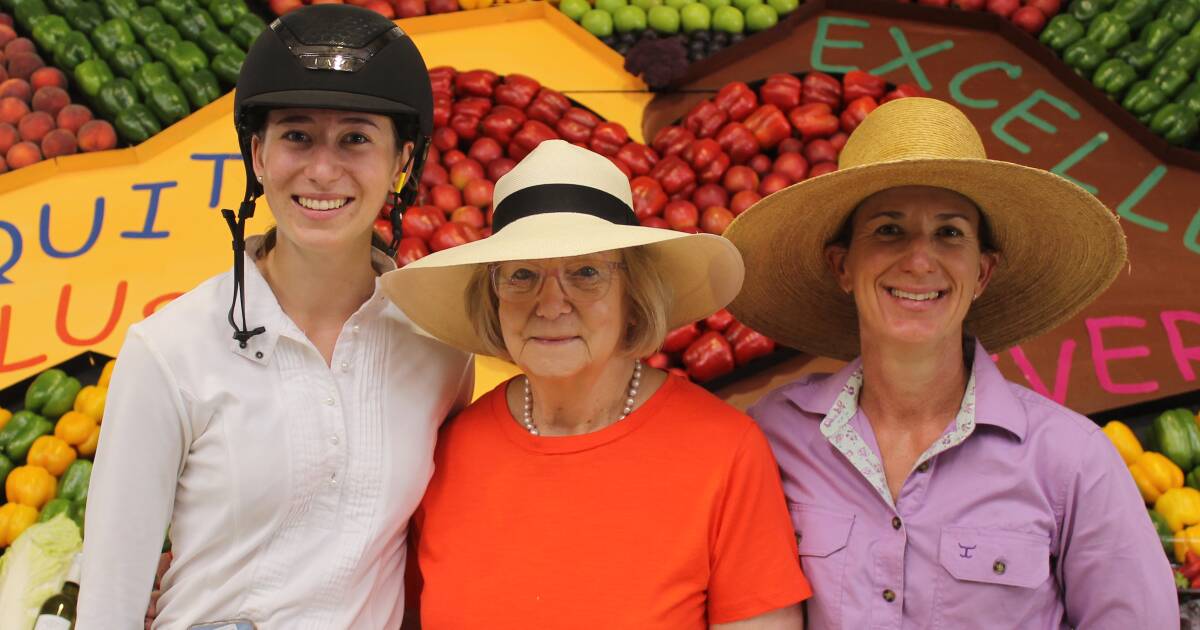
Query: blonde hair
[648, 299]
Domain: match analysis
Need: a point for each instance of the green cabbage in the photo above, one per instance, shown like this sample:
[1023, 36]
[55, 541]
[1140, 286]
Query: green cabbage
[34, 569]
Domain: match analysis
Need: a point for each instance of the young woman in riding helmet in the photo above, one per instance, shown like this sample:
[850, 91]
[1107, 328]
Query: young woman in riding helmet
[286, 455]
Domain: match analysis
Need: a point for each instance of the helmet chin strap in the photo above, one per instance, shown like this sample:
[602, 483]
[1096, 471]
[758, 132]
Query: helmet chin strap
[407, 195]
[237, 229]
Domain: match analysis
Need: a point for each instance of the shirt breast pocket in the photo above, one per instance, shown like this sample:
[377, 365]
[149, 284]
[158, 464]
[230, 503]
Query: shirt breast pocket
[822, 536]
[992, 571]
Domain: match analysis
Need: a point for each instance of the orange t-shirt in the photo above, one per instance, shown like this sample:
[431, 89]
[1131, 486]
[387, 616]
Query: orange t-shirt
[671, 518]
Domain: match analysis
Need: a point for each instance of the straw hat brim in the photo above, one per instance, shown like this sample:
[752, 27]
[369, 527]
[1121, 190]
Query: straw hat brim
[1059, 246]
[702, 271]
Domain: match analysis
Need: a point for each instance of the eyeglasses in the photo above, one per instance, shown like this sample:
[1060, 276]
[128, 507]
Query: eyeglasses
[582, 280]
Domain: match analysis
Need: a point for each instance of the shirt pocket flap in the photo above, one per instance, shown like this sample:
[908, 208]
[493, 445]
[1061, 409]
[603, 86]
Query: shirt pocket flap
[995, 556]
[819, 532]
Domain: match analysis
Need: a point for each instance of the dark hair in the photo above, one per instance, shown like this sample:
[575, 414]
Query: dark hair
[987, 243]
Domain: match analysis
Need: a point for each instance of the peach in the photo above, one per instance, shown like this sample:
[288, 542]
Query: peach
[23, 154]
[8, 137]
[12, 110]
[19, 45]
[22, 65]
[35, 125]
[72, 117]
[49, 75]
[6, 19]
[3, 71]
[478, 193]
[51, 100]
[7, 34]
[59, 142]
[97, 135]
[19, 88]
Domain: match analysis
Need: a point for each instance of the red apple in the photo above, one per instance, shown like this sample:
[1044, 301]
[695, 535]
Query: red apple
[761, 164]
[1049, 8]
[773, 182]
[821, 168]
[499, 167]
[1003, 8]
[838, 140]
[442, 6]
[710, 195]
[464, 171]
[743, 200]
[739, 178]
[421, 221]
[969, 5]
[485, 149]
[451, 235]
[378, 6]
[434, 174]
[649, 198]
[383, 228]
[434, 156]
[409, 8]
[446, 197]
[445, 139]
[655, 222]
[792, 165]
[469, 215]
[279, 7]
[450, 158]
[1029, 19]
[409, 249]
[790, 145]
[478, 193]
[716, 219]
[681, 214]
[820, 150]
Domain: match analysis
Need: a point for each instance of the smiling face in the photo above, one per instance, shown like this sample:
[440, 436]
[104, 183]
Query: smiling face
[552, 335]
[914, 265]
[326, 174]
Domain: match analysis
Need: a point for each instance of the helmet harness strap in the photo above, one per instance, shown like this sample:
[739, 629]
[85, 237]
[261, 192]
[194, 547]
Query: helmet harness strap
[237, 229]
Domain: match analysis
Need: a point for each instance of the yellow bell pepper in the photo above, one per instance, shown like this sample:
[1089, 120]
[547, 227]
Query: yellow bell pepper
[1187, 540]
[5, 416]
[51, 453]
[88, 448]
[90, 401]
[1123, 438]
[1154, 474]
[30, 485]
[15, 519]
[74, 428]
[1180, 506]
[106, 374]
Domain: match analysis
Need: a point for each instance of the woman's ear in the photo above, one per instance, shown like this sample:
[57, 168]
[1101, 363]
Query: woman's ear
[835, 259]
[988, 261]
[403, 156]
[256, 155]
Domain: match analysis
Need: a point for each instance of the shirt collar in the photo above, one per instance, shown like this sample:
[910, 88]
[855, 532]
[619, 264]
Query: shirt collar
[995, 404]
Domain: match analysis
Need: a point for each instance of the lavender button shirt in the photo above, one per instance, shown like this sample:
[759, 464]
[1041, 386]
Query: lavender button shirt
[1021, 516]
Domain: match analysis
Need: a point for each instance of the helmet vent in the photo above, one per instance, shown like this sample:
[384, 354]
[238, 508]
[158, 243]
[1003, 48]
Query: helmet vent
[335, 28]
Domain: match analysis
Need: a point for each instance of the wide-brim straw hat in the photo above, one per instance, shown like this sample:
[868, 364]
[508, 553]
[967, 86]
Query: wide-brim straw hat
[562, 201]
[1060, 247]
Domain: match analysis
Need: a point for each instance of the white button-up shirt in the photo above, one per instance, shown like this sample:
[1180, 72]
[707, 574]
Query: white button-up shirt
[287, 483]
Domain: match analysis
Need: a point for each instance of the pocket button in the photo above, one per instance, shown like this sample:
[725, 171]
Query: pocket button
[896, 522]
[999, 567]
[889, 596]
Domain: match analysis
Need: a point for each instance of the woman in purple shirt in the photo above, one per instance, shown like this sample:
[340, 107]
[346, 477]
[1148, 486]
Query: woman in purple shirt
[926, 490]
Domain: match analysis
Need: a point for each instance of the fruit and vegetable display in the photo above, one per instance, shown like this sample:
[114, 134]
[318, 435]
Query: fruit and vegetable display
[729, 151]
[394, 9]
[1028, 15]
[1143, 54]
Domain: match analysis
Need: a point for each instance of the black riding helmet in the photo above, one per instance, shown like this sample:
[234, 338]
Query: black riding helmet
[329, 56]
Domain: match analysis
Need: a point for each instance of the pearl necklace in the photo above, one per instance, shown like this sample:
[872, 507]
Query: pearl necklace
[634, 383]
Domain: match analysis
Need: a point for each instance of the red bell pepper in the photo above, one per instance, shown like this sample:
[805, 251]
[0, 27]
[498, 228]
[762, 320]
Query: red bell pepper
[856, 112]
[573, 131]
[619, 164]
[748, 344]
[701, 153]
[441, 79]
[857, 84]
[902, 91]
[674, 174]
[679, 339]
[474, 105]
[705, 119]
[649, 199]
[738, 141]
[715, 169]
[737, 100]
[640, 158]
[517, 90]
[582, 116]
[708, 357]
[476, 83]
[671, 140]
[769, 126]
[685, 194]
[442, 105]
[466, 126]
[719, 321]
[608, 138]
[781, 90]
[532, 133]
[409, 249]
[502, 123]
[821, 88]
[814, 120]
[548, 106]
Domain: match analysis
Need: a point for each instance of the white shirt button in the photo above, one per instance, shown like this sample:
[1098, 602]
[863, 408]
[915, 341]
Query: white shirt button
[333, 479]
[329, 401]
[333, 439]
[354, 328]
[345, 366]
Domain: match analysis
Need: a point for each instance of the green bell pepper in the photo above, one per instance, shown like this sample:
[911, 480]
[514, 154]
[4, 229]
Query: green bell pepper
[112, 35]
[1085, 10]
[227, 66]
[175, 9]
[194, 23]
[53, 508]
[1138, 55]
[6, 466]
[62, 6]
[85, 17]
[1190, 97]
[201, 88]
[1084, 55]
[247, 29]
[1109, 30]
[1114, 76]
[150, 76]
[1169, 79]
[74, 483]
[145, 20]
[1183, 54]
[136, 124]
[50, 32]
[185, 58]
[122, 9]
[18, 448]
[25, 10]
[161, 40]
[1063, 30]
[215, 42]
[1158, 34]
[1195, 29]
[52, 393]
[1177, 435]
[16, 425]
[226, 12]
[1178, 126]
[1165, 535]
[1181, 14]
[168, 103]
[91, 75]
[127, 59]
[116, 96]
[1135, 13]
[74, 49]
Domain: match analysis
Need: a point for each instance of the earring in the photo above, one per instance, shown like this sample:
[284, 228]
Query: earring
[260, 179]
